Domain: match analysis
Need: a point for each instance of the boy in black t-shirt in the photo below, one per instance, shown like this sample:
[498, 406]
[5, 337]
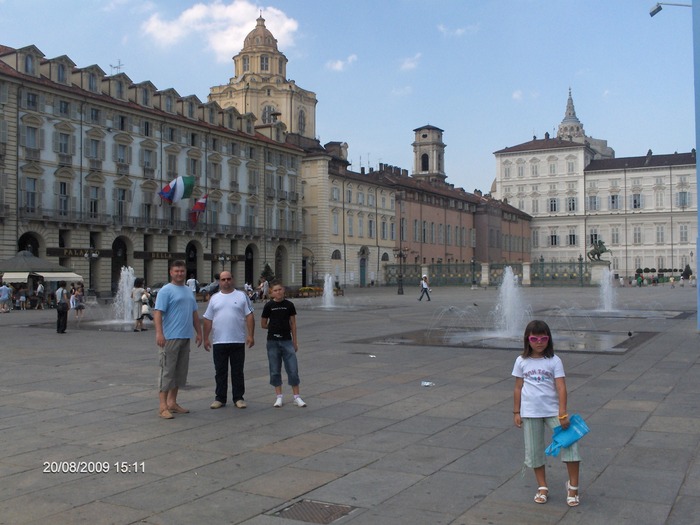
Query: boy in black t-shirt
[279, 318]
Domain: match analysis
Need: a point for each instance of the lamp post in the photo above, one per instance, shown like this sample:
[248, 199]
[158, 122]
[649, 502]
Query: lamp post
[90, 254]
[312, 263]
[580, 269]
[223, 257]
[695, 6]
[400, 254]
[473, 265]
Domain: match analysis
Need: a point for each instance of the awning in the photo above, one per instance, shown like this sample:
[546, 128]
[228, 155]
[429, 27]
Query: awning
[60, 276]
[15, 277]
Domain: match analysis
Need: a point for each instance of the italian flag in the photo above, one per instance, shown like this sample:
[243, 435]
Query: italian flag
[199, 207]
[180, 188]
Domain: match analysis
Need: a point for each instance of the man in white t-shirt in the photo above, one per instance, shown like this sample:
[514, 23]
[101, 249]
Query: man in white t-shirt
[192, 284]
[229, 325]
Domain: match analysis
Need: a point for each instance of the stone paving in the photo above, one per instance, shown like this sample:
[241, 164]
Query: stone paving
[372, 438]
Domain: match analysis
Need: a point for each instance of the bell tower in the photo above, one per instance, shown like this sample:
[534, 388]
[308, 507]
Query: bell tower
[429, 154]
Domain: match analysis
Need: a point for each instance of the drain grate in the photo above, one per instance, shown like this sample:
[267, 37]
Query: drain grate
[314, 511]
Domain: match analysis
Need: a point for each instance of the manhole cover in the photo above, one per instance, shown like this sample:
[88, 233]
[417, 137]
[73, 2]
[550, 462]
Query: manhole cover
[314, 511]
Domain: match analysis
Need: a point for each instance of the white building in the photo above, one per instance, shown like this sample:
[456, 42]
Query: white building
[577, 192]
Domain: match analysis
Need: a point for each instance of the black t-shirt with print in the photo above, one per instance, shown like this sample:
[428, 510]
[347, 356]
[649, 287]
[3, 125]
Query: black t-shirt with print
[278, 314]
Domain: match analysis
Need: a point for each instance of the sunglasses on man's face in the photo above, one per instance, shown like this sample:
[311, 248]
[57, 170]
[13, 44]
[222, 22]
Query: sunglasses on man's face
[536, 340]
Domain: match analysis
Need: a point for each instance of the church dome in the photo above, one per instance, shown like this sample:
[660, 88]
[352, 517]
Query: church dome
[260, 37]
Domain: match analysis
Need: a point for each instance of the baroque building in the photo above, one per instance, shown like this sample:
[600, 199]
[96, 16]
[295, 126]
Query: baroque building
[83, 156]
[579, 193]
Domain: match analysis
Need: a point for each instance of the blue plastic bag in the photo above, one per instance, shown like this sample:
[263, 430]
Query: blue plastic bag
[565, 438]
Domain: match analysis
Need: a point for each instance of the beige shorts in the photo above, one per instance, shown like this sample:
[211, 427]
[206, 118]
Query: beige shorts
[174, 360]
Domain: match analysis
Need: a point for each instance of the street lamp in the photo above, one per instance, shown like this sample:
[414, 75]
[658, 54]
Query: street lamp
[400, 254]
[473, 278]
[655, 10]
[580, 269]
[90, 254]
[223, 257]
[312, 262]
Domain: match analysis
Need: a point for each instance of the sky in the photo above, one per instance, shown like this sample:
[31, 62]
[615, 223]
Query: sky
[490, 73]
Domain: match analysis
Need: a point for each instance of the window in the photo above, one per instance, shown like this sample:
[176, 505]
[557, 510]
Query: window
[506, 172]
[571, 239]
[147, 128]
[94, 115]
[521, 171]
[246, 63]
[335, 194]
[615, 235]
[93, 202]
[448, 235]
[149, 158]
[350, 222]
[348, 195]
[360, 197]
[593, 203]
[301, 125]
[659, 199]
[360, 227]
[370, 199]
[64, 144]
[637, 235]
[683, 199]
[593, 236]
[571, 204]
[194, 140]
[534, 170]
[335, 223]
[63, 199]
[190, 109]
[683, 233]
[552, 168]
[93, 151]
[61, 73]
[370, 228]
[570, 166]
[424, 162]
[553, 239]
[535, 206]
[92, 82]
[264, 63]
[120, 89]
[553, 207]
[637, 202]
[384, 230]
[659, 234]
[121, 203]
[145, 97]
[32, 101]
[267, 116]
[169, 104]
[614, 202]
[30, 195]
[64, 108]
[29, 64]
[535, 239]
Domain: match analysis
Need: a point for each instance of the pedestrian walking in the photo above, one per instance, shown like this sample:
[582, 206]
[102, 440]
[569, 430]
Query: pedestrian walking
[424, 288]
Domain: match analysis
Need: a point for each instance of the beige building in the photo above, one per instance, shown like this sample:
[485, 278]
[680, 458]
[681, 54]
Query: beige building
[643, 208]
[83, 156]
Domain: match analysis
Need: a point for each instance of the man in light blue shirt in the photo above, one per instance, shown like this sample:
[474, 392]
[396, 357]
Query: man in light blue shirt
[4, 298]
[176, 320]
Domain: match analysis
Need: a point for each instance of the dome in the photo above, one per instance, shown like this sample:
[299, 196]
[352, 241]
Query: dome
[260, 37]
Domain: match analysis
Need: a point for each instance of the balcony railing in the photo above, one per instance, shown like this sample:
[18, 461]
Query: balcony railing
[281, 195]
[32, 154]
[270, 193]
[293, 196]
[149, 173]
[252, 189]
[65, 160]
[95, 165]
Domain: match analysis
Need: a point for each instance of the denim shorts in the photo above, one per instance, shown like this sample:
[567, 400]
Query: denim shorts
[278, 352]
[533, 431]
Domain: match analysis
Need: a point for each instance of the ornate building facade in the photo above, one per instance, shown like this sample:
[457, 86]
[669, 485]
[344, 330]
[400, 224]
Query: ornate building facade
[578, 193]
[83, 156]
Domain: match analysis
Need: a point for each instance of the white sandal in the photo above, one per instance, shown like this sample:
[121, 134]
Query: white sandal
[571, 501]
[541, 498]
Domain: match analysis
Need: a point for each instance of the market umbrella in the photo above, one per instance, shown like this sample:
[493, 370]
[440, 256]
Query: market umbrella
[19, 267]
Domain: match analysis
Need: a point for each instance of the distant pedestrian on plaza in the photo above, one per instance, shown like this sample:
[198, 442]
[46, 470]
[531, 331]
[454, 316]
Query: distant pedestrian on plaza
[40, 293]
[62, 307]
[5, 298]
[279, 319]
[424, 288]
[540, 399]
[176, 319]
[229, 326]
[140, 298]
[193, 284]
[79, 301]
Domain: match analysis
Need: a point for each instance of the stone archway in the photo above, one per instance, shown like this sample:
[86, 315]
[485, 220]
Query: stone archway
[120, 258]
[29, 242]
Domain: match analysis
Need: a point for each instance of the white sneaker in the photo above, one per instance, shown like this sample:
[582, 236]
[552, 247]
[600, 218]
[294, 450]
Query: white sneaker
[278, 402]
[299, 402]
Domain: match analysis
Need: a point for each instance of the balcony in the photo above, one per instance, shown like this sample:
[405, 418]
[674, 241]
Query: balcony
[270, 193]
[32, 154]
[149, 173]
[293, 196]
[282, 195]
[234, 186]
[95, 165]
[252, 189]
[65, 161]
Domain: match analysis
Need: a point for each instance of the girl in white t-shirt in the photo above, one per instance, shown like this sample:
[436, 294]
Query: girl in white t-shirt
[539, 399]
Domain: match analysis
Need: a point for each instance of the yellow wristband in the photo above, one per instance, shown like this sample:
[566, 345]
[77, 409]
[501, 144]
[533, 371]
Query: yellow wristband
[563, 417]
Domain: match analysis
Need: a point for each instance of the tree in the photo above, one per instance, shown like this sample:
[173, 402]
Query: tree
[267, 273]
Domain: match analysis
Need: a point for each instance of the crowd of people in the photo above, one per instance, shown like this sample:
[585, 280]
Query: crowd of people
[22, 296]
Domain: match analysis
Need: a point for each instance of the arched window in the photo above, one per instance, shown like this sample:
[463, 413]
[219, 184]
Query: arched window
[424, 162]
[336, 255]
[302, 122]
[267, 117]
[385, 257]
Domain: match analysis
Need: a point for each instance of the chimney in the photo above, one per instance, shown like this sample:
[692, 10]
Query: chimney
[362, 170]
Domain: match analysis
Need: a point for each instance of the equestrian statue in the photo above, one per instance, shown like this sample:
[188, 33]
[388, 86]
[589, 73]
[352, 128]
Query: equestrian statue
[597, 249]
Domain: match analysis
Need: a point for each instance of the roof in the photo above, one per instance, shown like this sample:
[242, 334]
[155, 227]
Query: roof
[546, 143]
[648, 161]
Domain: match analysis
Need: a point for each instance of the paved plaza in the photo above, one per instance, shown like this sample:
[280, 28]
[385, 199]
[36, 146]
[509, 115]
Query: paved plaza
[374, 446]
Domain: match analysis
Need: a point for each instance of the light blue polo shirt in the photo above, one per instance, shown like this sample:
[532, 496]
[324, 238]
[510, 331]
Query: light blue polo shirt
[177, 304]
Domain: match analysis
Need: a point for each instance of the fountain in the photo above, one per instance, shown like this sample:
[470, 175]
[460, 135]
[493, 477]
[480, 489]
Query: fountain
[607, 291]
[328, 297]
[510, 314]
[122, 306]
